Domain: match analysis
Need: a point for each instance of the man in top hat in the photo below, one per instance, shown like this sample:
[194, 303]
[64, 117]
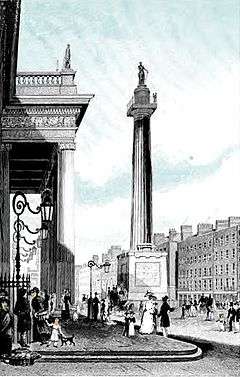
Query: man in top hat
[164, 317]
[6, 325]
[95, 303]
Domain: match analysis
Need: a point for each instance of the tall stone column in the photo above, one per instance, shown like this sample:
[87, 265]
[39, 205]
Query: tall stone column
[4, 210]
[141, 217]
[145, 267]
[65, 233]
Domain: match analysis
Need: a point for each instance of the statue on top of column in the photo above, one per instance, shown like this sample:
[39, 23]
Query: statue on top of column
[67, 58]
[141, 74]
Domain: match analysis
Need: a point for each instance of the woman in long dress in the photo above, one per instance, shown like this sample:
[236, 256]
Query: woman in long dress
[147, 324]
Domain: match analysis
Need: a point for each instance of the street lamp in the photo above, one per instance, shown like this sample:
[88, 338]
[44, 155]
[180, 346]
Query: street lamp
[91, 264]
[19, 204]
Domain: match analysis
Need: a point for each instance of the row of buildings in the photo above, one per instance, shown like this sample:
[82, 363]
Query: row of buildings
[205, 262]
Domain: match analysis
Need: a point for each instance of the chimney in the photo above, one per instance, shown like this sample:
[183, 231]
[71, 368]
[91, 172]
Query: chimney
[186, 232]
[221, 224]
[159, 238]
[204, 228]
[233, 220]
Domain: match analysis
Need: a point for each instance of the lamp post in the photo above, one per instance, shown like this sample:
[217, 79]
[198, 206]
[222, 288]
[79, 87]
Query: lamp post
[19, 205]
[91, 264]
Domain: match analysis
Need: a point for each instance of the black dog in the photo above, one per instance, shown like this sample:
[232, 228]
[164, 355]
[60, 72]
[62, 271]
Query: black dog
[65, 339]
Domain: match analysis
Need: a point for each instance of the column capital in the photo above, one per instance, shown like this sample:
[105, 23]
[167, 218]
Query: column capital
[5, 147]
[66, 146]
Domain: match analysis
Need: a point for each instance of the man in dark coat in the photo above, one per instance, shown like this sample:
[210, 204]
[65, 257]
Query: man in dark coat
[231, 316]
[6, 325]
[95, 304]
[163, 314]
[22, 311]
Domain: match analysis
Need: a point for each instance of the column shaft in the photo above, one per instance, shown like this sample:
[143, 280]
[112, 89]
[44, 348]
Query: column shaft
[141, 217]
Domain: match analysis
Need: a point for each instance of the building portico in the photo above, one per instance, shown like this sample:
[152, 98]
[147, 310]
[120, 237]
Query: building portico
[39, 126]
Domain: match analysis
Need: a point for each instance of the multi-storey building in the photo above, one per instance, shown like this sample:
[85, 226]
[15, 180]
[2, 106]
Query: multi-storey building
[208, 262]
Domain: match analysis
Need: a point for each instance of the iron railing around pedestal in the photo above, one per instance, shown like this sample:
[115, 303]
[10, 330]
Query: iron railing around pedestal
[9, 287]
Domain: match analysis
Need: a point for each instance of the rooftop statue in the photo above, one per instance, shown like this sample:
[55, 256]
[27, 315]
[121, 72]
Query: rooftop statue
[141, 74]
[67, 58]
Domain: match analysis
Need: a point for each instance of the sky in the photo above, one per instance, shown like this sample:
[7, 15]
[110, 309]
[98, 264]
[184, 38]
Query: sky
[191, 49]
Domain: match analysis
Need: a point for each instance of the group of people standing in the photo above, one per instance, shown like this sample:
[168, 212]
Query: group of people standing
[153, 319]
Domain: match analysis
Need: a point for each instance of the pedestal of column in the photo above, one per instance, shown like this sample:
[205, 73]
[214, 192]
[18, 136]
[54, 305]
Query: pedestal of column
[66, 231]
[4, 210]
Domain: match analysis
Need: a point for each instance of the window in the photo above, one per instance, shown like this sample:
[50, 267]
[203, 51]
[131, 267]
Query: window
[226, 269]
[221, 283]
[205, 284]
[199, 272]
[233, 253]
[200, 284]
[195, 259]
[199, 258]
[210, 271]
[205, 271]
[233, 283]
[190, 273]
[227, 254]
[221, 240]
[216, 283]
[205, 257]
[233, 237]
[210, 243]
[233, 268]
[216, 270]
[216, 255]
[195, 272]
[210, 284]
[187, 273]
[221, 254]
[205, 244]
[195, 285]
[221, 269]
[209, 257]
[227, 283]
[227, 238]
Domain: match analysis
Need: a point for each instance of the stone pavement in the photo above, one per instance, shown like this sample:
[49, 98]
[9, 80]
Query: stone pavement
[195, 329]
[95, 341]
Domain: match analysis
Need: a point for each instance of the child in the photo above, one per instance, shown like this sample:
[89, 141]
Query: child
[126, 324]
[221, 322]
[56, 332]
[132, 321]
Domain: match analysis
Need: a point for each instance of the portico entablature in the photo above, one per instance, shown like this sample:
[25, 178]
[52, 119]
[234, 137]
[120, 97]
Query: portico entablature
[43, 118]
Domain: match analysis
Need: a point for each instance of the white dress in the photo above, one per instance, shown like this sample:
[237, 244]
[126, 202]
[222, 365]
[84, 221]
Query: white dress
[147, 325]
[56, 331]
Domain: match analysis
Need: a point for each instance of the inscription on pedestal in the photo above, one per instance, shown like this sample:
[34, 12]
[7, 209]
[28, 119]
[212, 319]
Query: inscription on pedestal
[147, 274]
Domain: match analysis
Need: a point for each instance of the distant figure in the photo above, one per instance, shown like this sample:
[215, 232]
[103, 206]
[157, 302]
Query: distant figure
[67, 58]
[46, 300]
[141, 74]
[126, 324]
[103, 311]
[231, 316]
[95, 303]
[154, 97]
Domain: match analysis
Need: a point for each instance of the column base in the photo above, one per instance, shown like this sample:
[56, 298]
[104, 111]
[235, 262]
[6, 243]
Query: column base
[146, 271]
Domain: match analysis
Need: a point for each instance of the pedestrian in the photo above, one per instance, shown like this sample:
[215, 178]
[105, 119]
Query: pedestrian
[126, 324]
[41, 331]
[103, 311]
[147, 324]
[183, 310]
[95, 304]
[6, 326]
[132, 320]
[23, 312]
[164, 317]
[231, 316]
[56, 332]
[209, 303]
[221, 322]
[67, 303]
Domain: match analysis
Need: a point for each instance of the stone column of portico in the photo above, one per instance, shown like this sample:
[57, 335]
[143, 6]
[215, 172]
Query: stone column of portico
[141, 216]
[66, 233]
[4, 210]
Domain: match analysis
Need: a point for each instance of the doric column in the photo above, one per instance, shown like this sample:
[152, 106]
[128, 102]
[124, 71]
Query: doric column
[4, 210]
[141, 217]
[65, 231]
